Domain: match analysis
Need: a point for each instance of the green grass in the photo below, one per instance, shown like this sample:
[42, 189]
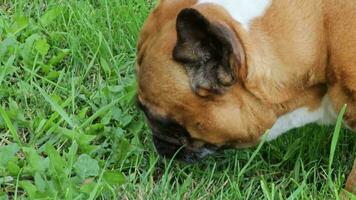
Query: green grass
[69, 128]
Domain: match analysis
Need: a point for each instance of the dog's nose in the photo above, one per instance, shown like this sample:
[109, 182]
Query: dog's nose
[166, 148]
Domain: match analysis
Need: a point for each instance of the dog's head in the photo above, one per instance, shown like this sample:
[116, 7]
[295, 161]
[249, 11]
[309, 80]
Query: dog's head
[191, 69]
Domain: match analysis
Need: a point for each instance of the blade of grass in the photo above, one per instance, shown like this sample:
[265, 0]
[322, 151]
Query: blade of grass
[335, 139]
[100, 112]
[10, 126]
[299, 190]
[55, 106]
[265, 189]
[43, 78]
[17, 184]
[242, 171]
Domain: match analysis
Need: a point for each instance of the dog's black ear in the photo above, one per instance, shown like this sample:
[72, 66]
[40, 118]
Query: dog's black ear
[206, 50]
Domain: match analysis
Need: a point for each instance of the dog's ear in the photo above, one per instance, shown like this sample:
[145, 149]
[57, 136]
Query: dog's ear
[207, 51]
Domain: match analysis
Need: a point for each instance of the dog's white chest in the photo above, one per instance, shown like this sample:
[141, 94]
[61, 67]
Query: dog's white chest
[243, 11]
[325, 114]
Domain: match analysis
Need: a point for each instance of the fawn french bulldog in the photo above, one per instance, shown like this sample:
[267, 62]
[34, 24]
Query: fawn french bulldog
[219, 73]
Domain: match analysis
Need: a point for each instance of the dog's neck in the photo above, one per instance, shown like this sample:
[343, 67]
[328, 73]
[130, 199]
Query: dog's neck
[324, 115]
[311, 106]
[295, 86]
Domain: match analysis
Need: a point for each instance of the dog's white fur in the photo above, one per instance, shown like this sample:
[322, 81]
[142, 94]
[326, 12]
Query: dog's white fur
[325, 114]
[243, 11]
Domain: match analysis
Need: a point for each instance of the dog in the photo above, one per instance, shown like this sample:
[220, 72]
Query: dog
[215, 74]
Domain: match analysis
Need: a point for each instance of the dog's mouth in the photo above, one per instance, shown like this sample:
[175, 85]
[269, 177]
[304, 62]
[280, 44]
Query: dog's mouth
[186, 152]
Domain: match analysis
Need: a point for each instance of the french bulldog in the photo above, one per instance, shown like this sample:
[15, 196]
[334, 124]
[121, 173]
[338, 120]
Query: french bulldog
[214, 74]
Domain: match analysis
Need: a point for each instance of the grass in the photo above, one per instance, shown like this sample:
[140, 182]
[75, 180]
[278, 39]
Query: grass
[69, 128]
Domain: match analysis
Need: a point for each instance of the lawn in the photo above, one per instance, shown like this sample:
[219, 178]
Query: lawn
[69, 127]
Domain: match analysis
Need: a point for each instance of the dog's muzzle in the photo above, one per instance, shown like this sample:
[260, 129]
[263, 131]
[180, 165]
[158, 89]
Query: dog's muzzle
[172, 140]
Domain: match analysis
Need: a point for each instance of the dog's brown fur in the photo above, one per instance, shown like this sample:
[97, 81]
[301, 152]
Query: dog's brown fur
[295, 54]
